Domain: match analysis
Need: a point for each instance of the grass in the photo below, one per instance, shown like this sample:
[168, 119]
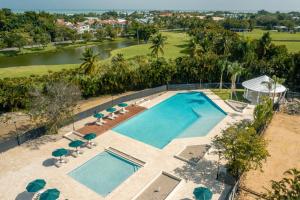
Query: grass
[174, 47]
[33, 70]
[292, 41]
[225, 94]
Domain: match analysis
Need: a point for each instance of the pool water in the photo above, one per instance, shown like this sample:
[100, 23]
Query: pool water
[104, 172]
[189, 114]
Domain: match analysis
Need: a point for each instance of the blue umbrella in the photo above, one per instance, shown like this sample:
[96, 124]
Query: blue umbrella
[36, 185]
[202, 193]
[50, 194]
[98, 115]
[111, 110]
[123, 105]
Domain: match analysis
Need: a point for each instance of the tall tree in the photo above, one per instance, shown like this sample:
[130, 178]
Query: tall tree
[242, 148]
[54, 104]
[158, 43]
[234, 69]
[223, 66]
[90, 61]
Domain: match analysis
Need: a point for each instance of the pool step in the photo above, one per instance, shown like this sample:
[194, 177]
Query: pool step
[126, 156]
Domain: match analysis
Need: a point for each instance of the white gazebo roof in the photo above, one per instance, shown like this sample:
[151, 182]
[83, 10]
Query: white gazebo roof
[257, 84]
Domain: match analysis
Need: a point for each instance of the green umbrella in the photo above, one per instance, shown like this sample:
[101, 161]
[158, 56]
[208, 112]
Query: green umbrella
[111, 110]
[76, 143]
[98, 115]
[60, 152]
[202, 193]
[123, 105]
[89, 136]
[50, 194]
[36, 185]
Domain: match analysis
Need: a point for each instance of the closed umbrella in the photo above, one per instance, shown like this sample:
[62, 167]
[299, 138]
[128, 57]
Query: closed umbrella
[202, 193]
[50, 194]
[59, 153]
[36, 185]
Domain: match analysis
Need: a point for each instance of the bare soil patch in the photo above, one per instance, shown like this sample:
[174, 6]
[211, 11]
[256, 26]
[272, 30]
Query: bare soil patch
[283, 136]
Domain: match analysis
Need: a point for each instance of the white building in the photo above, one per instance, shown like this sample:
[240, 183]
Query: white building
[256, 88]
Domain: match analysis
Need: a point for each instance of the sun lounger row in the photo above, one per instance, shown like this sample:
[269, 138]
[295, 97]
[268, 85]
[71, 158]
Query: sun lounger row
[112, 113]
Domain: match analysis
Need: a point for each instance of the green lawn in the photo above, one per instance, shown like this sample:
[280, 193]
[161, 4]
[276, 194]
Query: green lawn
[33, 70]
[174, 47]
[293, 45]
[225, 94]
[175, 44]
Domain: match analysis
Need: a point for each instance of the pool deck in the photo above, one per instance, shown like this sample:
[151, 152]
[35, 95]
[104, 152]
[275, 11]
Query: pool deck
[33, 160]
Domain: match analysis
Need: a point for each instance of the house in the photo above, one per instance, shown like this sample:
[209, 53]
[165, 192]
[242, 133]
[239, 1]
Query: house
[281, 28]
[82, 27]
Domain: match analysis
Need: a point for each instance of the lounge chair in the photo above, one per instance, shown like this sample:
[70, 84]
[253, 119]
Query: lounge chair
[37, 195]
[112, 116]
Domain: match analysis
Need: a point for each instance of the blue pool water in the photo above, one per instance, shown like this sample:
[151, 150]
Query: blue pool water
[104, 172]
[182, 115]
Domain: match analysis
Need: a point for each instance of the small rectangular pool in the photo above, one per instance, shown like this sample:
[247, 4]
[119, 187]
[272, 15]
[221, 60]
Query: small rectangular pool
[189, 114]
[104, 172]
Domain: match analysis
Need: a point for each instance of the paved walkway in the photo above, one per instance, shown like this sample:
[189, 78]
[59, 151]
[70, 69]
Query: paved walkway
[33, 160]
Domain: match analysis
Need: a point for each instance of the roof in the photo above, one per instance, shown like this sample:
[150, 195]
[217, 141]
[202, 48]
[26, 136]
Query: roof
[257, 84]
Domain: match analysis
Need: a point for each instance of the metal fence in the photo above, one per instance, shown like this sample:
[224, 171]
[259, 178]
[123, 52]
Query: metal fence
[37, 132]
[20, 138]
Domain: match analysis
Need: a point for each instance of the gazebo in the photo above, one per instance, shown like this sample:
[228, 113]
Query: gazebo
[258, 87]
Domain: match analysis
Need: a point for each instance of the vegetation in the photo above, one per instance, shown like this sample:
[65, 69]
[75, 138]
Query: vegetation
[128, 71]
[89, 61]
[158, 43]
[242, 147]
[286, 189]
[263, 113]
[54, 103]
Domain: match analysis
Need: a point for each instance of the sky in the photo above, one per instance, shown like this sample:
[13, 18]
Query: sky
[234, 5]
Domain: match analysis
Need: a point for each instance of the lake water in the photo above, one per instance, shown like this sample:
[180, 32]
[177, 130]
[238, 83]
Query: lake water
[64, 56]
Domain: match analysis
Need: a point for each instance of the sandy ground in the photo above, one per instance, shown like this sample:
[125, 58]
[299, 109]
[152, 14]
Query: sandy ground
[283, 136]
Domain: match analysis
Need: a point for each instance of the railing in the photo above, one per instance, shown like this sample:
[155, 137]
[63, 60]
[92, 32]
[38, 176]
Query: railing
[16, 140]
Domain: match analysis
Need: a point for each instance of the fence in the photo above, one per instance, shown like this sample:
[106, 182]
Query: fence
[37, 132]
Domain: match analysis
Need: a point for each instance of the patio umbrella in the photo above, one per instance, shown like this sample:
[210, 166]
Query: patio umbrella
[36, 185]
[202, 193]
[76, 143]
[60, 152]
[50, 194]
[98, 115]
[111, 110]
[123, 105]
[89, 136]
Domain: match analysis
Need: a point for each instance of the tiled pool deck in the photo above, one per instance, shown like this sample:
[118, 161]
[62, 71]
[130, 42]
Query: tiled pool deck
[21, 165]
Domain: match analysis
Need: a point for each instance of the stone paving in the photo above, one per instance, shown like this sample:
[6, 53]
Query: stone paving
[33, 160]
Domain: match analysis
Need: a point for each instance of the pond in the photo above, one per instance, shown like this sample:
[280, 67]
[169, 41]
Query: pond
[63, 56]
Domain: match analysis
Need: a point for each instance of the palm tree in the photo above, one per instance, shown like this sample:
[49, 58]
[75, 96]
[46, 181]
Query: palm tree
[89, 61]
[264, 44]
[193, 48]
[234, 69]
[269, 84]
[223, 65]
[276, 81]
[158, 43]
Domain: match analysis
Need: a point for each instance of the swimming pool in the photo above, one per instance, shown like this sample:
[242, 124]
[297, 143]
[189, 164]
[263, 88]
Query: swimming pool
[104, 172]
[189, 114]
